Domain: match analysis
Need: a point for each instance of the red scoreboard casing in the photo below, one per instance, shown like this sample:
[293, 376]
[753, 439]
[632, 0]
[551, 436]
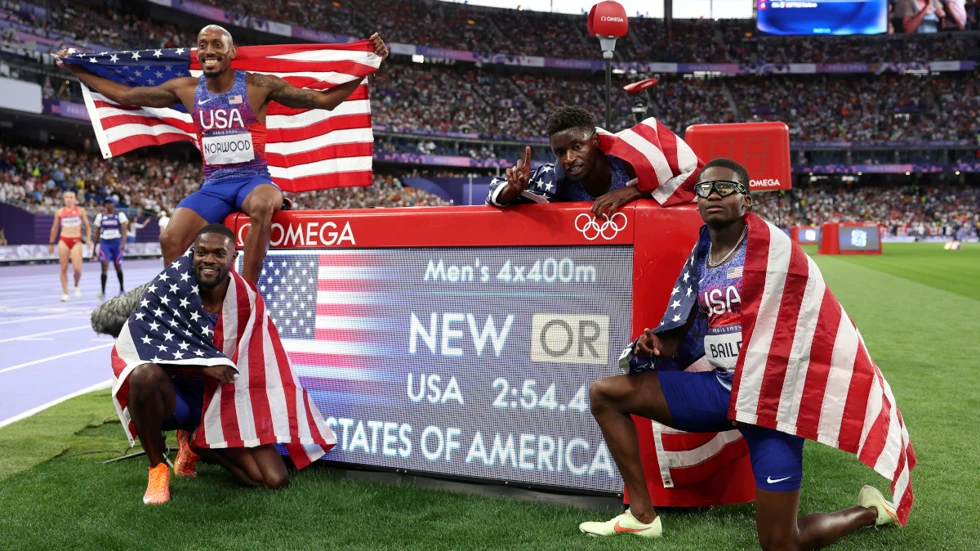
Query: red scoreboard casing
[761, 147]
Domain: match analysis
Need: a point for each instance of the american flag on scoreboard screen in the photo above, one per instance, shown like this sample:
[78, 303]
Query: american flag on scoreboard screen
[803, 367]
[333, 322]
[306, 149]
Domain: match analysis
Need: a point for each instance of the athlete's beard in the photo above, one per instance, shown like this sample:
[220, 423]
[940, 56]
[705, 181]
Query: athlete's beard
[214, 75]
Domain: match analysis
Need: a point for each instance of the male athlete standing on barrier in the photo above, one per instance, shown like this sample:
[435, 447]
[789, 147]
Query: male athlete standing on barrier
[228, 108]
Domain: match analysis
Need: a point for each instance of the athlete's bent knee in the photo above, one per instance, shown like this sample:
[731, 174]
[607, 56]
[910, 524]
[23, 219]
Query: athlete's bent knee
[169, 241]
[261, 211]
[276, 481]
[600, 394]
[779, 542]
[147, 378]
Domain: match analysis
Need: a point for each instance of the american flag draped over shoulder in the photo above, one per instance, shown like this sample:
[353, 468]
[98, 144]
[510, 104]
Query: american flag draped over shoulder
[663, 162]
[306, 149]
[665, 165]
[265, 405]
[803, 367]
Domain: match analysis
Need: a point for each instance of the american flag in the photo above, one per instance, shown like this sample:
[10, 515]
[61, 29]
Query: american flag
[334, 317]
[306, 149]
[265, 405]
[665, 165]
[803, 367]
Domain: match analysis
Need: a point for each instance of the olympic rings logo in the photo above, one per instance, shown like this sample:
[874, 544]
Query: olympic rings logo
[591, 229]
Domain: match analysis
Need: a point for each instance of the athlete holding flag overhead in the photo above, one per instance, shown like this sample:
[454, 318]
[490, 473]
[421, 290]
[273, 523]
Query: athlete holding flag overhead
[228, 108]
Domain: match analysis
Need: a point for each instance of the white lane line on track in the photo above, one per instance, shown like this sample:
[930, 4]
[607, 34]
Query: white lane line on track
[31, 336]
[65, 355]
[42, 407]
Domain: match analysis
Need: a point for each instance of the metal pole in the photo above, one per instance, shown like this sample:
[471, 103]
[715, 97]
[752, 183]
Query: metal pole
[608, 91]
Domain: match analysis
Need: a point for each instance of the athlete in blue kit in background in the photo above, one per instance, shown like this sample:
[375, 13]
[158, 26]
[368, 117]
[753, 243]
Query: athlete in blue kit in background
[110, 227]
[228, 108]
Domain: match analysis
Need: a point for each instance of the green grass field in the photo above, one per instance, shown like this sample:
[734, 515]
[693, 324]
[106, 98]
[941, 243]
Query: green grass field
[918, 308]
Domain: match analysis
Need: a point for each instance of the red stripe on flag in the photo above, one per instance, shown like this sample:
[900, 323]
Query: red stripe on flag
[258, 384]
[907, 498]
[285, 374]
[781, 348]
[617, 147]
[858, 394]
[113, 121]
[275, 108]
[347, 335]
[686, 440]
[696, 473]
[99, 104]
[246, 53]
[668, 144]
[337, 361]
[340, 122]
[356, 310]
[351, 284]
[821, 354]
[661, 137]
[324, 181]
[130, 143]
[311, 421]
[877, 437]
[345, 151]
[753, 284]
[353, 259]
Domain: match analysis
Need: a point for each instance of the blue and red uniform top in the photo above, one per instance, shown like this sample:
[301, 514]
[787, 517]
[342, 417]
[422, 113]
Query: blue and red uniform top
[232, 138]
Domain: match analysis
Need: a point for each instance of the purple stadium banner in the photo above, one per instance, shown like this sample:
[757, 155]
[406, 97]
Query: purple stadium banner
[318, 36]
[65, 109]
[441, 160]
[886, 169]
[207, 12]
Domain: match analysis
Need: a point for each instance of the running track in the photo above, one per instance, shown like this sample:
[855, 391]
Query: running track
[48, 351]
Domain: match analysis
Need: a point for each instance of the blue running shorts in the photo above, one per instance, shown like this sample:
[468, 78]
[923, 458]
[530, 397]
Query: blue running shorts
[216, 200]
[699, 403]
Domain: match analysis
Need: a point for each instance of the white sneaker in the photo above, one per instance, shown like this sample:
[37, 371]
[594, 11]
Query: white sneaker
[78, 292]
[871, 497]
[64, 298]
[100, 296]
[623, 524]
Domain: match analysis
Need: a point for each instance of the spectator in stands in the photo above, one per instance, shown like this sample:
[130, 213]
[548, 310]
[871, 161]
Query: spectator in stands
[921, 16]
[3, 238]
[132, 228]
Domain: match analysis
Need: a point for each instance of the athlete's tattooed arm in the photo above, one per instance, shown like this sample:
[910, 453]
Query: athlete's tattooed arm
[302, 98]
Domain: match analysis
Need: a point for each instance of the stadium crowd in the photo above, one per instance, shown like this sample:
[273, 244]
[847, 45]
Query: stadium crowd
[515, 105]
[905, 210]
[118, 24]
[35, 177]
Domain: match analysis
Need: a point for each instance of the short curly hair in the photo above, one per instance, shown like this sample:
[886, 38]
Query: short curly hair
[566, 117]
[734, 166]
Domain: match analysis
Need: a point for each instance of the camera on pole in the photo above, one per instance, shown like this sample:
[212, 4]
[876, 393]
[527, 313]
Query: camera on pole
[607, 22]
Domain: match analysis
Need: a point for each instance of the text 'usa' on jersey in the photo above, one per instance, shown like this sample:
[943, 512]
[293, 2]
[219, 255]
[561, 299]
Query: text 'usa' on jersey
[231, 137]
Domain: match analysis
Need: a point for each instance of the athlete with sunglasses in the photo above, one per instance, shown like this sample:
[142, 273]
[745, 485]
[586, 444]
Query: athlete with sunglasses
[699, 401]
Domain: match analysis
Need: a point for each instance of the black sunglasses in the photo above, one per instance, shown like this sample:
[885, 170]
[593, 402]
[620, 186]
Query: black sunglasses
[723, 187]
